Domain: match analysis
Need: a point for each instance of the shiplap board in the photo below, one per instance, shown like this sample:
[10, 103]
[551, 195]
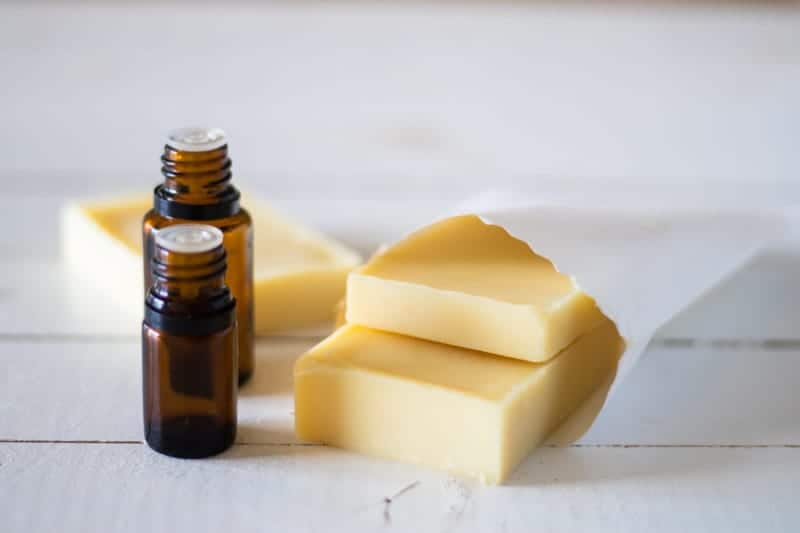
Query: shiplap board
[458, 94]
[366, 220]
[762, 301]
[38, 296]
[56, 390]
[92, 391]
[126, 487]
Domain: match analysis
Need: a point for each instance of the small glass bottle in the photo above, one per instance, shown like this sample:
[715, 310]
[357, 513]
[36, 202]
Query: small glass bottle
[189, 345]
[197, 188]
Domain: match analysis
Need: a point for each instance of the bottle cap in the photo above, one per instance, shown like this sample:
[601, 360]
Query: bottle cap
[196, 139]
[189, 238]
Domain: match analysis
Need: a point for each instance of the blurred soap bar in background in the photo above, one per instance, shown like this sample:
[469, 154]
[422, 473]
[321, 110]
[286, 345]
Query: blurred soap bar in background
[463, 282]
[299, 273]
[427, 403]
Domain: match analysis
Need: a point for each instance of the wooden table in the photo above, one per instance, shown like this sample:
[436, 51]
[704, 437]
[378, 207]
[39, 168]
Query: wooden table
[703, 435]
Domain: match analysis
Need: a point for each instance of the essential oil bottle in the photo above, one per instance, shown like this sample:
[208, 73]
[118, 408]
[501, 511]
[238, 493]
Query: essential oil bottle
[189, 345]
[197, 188]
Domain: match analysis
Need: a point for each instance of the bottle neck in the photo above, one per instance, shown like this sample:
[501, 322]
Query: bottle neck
[189, 295]
[197, 185]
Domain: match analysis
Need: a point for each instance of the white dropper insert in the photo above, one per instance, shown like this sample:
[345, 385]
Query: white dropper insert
[189, 238]
[196, 139]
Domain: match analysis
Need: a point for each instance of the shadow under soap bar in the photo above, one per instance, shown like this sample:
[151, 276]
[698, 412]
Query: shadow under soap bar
[463, 282]
[299, 274]
[451, 408]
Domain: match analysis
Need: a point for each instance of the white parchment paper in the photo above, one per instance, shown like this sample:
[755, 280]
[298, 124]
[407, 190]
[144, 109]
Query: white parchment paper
[642, 264]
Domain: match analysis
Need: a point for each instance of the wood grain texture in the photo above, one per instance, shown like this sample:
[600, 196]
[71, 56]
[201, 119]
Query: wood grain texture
[91, 391]
[367, 121]
[438, 96]
[40, 297]
[126, 487]
[78, 391]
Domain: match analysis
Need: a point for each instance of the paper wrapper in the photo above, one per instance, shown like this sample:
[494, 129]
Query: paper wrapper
[641, 265]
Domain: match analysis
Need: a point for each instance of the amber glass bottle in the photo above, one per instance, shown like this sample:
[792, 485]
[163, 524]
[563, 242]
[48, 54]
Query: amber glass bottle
[197, 188]
[189, 343]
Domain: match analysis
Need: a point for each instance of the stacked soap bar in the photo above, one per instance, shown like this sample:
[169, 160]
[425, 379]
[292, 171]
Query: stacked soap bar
[299, 274]
[470, 284]
[463, 351]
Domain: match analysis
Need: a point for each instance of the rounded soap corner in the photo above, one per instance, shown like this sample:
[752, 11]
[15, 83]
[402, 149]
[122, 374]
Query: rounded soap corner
[302, 364]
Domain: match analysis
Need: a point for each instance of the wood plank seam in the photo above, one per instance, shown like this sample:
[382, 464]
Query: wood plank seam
[118, 338]
[312, 444]
[768, 344]
[772, 344]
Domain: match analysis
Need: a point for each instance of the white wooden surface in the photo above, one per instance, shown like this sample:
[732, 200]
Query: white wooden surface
[367, 121]
[704, 434]
[436, 95]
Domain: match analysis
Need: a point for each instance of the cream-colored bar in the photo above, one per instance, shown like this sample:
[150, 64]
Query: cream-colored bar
[427, 403]
[299, 274]
[466, 283]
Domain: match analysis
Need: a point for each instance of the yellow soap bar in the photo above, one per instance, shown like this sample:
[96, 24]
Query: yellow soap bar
[427, 403]
[299, 274]
[466, 283]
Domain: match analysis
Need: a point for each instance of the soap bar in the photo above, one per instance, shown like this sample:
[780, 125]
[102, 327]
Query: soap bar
[459, 410]
[299, 274]
[467, 283]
